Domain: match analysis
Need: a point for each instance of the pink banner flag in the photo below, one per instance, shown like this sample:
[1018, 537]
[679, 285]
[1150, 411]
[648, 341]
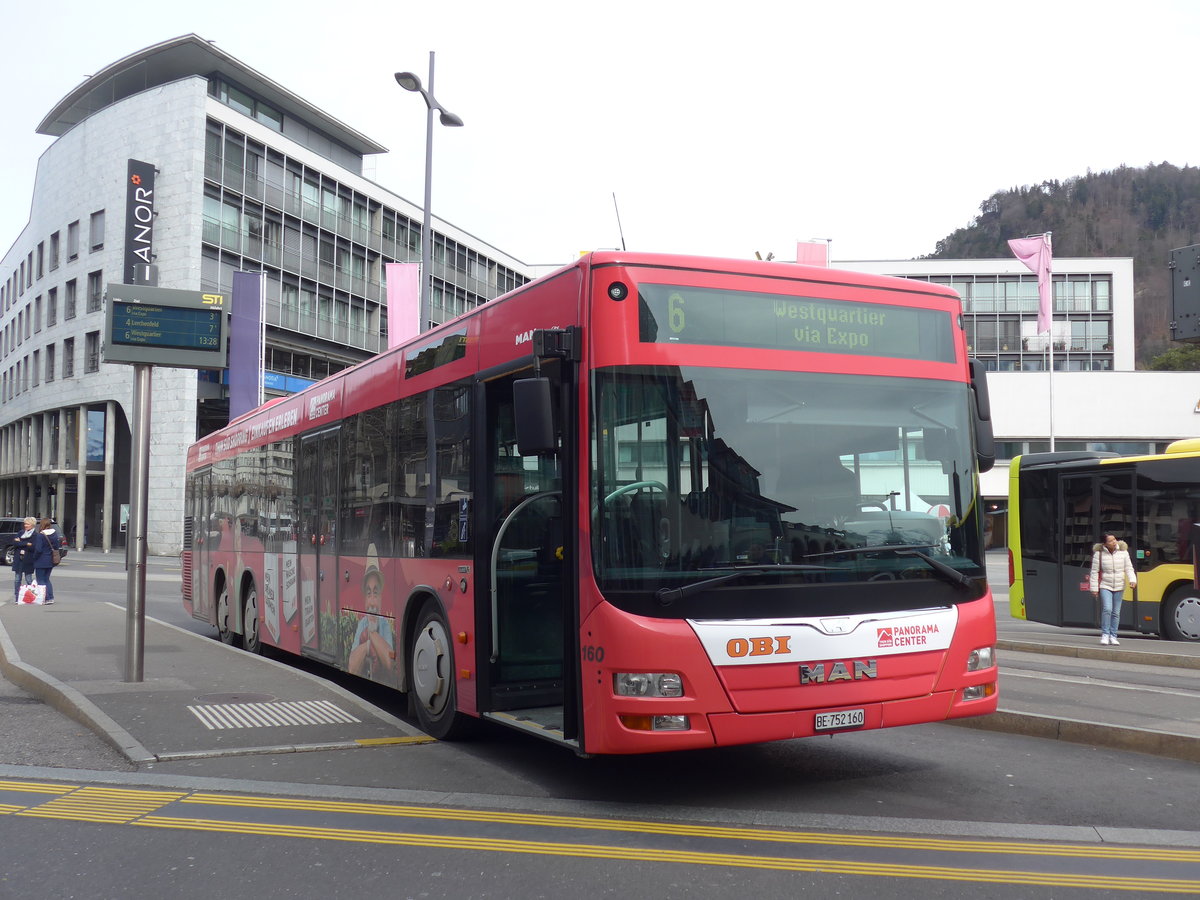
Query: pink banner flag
[403, 302]
[1035, 253]
[812, 253]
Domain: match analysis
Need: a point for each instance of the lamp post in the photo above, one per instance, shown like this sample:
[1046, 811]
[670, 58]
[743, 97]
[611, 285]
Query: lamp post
[411, 82]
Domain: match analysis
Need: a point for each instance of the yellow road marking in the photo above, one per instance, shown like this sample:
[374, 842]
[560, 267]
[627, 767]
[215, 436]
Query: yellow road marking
[952, 845]
[97, 804]
[593, 851]
[138, 806]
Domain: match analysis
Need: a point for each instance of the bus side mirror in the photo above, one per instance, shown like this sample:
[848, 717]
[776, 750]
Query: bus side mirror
[985, 438]
[533, 416]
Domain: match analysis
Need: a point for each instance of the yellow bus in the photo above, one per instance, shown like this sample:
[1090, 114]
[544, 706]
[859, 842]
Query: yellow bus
[1060, 504]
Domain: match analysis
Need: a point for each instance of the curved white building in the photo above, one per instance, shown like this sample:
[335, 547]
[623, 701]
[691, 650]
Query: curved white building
[249, 177]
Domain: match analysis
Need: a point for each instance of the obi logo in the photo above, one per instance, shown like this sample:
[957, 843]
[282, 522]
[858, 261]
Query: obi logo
[759, 646]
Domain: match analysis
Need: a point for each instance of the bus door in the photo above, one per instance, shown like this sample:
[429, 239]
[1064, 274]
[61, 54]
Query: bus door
[202, 530]
[1092, 504]
[529, 609]
[316, 547]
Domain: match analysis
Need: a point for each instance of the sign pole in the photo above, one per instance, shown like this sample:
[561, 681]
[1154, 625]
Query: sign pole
[139, 479]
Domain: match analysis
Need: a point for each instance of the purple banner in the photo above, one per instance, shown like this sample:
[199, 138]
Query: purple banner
[245, 344]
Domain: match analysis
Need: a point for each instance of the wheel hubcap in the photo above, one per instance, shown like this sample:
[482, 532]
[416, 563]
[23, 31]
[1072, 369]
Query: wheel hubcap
[251, 623]
[429, 667]
[1187, 618]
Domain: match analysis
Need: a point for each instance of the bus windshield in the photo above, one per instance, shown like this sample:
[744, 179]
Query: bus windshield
[812, 480]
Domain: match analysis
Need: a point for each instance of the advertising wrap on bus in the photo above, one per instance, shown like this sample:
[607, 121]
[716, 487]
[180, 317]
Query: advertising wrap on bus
[644, 503]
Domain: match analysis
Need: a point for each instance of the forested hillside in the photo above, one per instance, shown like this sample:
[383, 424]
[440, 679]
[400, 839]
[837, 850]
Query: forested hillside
[1144, 213]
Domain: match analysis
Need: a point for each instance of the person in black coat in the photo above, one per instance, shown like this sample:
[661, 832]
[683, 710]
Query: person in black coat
[23, 557]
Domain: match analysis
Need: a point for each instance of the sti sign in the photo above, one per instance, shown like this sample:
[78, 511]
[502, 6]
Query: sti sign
[160, 327]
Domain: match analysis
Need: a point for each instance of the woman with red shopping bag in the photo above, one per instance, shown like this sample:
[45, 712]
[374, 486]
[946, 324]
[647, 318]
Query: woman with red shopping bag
[45, 542]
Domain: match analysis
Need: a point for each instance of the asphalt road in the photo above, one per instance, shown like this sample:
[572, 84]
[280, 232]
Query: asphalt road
[862, 799]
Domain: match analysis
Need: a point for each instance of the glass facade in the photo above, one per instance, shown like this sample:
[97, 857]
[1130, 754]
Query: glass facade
[321, 247]
[1000, 315]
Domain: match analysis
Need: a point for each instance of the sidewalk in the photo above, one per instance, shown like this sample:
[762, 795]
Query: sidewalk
[201, 698]
[198, 698]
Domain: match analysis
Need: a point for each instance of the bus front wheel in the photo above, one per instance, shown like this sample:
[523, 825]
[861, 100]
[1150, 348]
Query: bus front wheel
[1181, 614]
[431, 676]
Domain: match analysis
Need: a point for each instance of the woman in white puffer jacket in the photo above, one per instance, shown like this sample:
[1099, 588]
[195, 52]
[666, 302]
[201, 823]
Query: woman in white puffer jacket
[1112, 569]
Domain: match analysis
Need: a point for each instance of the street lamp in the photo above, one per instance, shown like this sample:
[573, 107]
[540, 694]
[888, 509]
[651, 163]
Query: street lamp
[411, 82]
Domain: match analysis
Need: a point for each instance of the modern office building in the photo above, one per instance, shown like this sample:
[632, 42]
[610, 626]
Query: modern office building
[247, 176]
[1092, 399]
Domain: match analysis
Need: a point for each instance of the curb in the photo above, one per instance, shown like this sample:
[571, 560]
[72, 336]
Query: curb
[1096, 734]
[1138, 657]
[68, 701]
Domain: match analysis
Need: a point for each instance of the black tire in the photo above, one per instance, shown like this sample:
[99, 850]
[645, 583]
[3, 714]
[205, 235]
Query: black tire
[224, 611]
[251, 634]
[1181, 614]
[431, 676]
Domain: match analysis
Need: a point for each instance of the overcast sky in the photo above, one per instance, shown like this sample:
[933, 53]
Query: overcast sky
[722, 129]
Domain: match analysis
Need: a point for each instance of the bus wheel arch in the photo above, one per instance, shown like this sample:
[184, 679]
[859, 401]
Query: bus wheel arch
[1180, 614]
[432, 692]
[251, 624]
[223, 610]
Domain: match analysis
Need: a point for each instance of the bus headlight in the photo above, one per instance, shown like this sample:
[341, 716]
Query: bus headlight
[983, 658]
[647, 684]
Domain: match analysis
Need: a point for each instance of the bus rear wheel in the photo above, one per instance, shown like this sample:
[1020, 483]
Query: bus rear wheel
[251, 636]
[431, 676]
[1181, 614]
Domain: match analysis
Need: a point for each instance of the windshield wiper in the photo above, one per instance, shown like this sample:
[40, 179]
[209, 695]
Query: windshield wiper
[667, 596]
[948, 573]
[869, 548]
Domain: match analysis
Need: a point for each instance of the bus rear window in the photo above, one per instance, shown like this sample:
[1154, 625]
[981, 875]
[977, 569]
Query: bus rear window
[691, 315]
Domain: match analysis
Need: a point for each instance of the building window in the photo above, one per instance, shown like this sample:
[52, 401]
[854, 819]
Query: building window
[73, 241]
[36, 370]
[95, 291]
[50, 363]
[244, 103]
[96, 232]
[37, 313]
[69, 300]
[91, 362]
[69, 358]
[51, 307]
[54, 251]
[41, 259]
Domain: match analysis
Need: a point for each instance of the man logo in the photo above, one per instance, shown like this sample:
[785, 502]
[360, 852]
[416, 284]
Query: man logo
[814, 673]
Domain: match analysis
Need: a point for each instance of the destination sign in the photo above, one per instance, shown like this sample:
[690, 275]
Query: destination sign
[692, 315]
[140, 324]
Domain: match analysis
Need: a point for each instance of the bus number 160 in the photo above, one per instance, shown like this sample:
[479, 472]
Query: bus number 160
[593, 654]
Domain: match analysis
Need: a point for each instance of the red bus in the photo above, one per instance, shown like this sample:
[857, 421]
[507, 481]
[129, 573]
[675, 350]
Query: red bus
[644, 503]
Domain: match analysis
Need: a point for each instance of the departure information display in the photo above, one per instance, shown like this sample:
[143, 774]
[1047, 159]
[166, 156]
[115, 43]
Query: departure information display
[149, 325]
[141, 324]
